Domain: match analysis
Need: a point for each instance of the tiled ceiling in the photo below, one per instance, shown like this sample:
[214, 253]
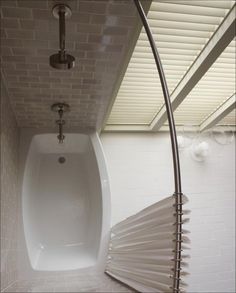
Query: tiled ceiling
[98, 35]
[182, 30]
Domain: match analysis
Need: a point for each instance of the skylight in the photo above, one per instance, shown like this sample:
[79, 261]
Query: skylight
[182, 29]
[215, 87]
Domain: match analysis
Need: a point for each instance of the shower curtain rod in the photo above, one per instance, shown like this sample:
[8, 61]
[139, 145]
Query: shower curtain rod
[175, 153]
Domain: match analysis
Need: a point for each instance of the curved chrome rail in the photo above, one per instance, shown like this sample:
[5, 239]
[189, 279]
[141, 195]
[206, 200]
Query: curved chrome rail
[175, 153]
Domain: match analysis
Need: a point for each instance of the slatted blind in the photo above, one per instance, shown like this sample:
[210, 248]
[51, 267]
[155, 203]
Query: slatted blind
[215, 87]
[181, 30]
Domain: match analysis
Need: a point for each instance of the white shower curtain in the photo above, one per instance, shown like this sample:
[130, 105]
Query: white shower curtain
[142, 248]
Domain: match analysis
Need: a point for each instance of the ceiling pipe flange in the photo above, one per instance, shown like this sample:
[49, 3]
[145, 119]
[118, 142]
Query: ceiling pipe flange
[57, 62]
[60, 106]
[61, 8]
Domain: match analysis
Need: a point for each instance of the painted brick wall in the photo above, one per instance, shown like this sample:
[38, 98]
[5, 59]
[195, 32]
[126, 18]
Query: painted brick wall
[140, 169]
[9, 192]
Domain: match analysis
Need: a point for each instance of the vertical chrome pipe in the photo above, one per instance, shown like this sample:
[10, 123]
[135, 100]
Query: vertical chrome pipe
[60, 123]
[165, 90]
[174, 146]
[60, 135]
[62, 32]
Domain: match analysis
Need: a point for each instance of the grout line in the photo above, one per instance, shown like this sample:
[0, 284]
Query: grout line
[9, 286]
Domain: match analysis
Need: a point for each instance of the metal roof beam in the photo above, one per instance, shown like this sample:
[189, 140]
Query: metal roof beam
[219, 114]
[215, 46]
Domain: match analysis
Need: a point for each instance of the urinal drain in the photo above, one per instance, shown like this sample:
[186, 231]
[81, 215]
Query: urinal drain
[61, 160]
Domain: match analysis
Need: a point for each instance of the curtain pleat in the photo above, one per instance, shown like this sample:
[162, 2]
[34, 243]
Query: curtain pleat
[142, 248]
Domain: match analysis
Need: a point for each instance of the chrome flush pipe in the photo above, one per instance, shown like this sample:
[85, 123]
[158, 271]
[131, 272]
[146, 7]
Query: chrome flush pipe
[60, 108]
[60, 123]
[175, 153]
[62, 33]
[62, 60]
[60, 136]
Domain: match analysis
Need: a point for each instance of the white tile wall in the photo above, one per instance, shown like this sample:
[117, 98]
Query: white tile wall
[140, 169]
[9, 192]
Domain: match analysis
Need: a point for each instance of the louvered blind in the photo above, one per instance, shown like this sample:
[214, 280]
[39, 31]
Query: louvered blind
[215, 87]
[181, 30]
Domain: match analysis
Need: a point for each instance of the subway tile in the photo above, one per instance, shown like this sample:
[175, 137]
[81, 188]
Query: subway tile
[77, 37]
[3, 34]
[96, 7]
[8, 3]
[78, 55]
[125, 21]
[38, 59]
[95, 38]
[69, 45]
[122, 9]
[113, 48]
[13, 58]
[11, 42]
[16, 12]
[60, 85]
[26, 66]
[89, 28]
[9, 23]
[35, 43]
[91, 81]
[81, 17]
[45, 52]
[117, 40]
[23, 51]
[7, 65]
[28, 24]
[23, 90]
[88, 62]
[62, 73]
[115, 30]
[40, 85]
[50, 79]
[15, 72]
[6, 51]
[97, 55]
[83, 74]
[72, 80]
[42, 14]
[47, 35]
[19, 84]
[29, 78]
[87, 46]
[39, 73]
[98, 19]
[32, 4]
[20, 34]
[43, 66]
